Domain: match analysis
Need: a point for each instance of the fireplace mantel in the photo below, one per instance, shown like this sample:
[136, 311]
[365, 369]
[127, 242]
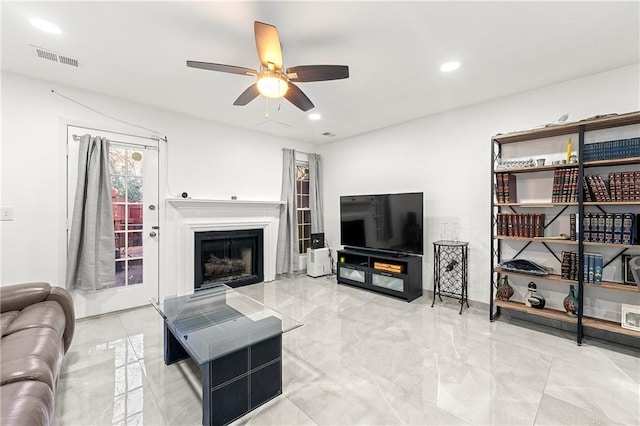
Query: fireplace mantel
[187, 216]
[199, 203]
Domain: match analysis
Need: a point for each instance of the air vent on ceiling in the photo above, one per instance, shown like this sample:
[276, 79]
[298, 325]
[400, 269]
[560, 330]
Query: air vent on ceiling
[328, 134]
[46, 55]
[67, 60]
[55, 57]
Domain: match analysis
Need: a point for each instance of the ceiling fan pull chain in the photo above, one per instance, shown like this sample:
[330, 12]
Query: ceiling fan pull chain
[266, 113]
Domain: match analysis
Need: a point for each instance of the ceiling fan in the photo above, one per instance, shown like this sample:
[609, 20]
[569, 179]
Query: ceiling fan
[272, 80]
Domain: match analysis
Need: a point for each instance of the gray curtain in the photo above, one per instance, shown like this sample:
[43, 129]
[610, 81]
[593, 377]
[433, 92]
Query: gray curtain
[315, 194]
[287, 256]
[91, 254]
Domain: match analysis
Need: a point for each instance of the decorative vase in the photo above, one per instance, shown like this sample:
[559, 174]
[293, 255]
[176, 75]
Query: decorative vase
[504, 290]
[533, 299]
[571, 302]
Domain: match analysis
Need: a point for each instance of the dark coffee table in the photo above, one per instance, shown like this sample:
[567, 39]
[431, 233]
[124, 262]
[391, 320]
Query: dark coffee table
[236, 341]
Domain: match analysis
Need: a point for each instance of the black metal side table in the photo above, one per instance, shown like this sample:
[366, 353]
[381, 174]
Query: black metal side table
[450, 271]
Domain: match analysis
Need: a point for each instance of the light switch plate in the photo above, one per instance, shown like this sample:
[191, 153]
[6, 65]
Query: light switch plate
[6, 213]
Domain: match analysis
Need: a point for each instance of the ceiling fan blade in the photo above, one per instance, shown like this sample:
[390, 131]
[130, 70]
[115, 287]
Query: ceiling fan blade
[306, 73]
[298, 98]
[248, 95]
[268, 44]
[221, 67]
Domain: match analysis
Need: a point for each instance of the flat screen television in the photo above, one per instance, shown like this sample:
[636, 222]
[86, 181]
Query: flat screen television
[391, 222]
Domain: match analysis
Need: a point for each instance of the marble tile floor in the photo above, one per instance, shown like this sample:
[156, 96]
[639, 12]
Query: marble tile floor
[361, 358]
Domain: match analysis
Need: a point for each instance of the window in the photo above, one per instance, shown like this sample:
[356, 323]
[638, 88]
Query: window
[125, 166]
[302, 206]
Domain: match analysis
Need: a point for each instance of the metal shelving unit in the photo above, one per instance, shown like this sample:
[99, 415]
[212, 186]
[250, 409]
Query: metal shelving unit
[581, 322]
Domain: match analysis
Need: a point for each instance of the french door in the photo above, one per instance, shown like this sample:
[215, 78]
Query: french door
[133, 166]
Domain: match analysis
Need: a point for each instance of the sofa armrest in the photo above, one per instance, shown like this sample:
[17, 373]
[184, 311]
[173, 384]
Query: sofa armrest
[19, 296]
[62, 296]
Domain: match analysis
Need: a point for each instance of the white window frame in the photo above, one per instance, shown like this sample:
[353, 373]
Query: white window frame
[301, 238]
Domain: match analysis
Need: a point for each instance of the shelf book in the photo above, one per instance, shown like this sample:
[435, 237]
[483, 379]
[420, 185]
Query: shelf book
[591, 267]
[624, 186]
[611, 228]
[523, 225]
[611, 150]
[597, 188]
[565, 186]
[621, 187]
[506, 188]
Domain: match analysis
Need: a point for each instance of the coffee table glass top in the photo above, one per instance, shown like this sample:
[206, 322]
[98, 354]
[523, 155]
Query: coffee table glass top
[219, 320]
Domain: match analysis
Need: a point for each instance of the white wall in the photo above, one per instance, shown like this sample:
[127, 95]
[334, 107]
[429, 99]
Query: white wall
[205, 159]
[447, 156]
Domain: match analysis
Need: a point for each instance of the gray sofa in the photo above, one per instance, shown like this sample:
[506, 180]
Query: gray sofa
[37, 322]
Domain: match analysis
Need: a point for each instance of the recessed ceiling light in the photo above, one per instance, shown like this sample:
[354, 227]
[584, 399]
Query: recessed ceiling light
[314, 116]
[45, 26]
[450, 66]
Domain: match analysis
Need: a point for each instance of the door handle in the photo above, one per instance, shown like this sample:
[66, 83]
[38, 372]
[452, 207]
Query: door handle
[153, 234]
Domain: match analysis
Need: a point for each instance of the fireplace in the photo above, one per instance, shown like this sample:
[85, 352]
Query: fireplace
[234, 258]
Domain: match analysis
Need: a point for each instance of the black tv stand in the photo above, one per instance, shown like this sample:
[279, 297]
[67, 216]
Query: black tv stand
[395, 274]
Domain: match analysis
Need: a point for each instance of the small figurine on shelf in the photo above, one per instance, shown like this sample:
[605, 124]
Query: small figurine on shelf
[504, 290]
[533, 299]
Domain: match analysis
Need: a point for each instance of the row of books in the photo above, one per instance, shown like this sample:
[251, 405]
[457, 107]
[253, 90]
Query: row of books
[565, 186]
[615, 228]
[624, 186]
[506, 188]
[591, 267]
[596, 189]
[526, 225]
[621, 187]
[611, 150]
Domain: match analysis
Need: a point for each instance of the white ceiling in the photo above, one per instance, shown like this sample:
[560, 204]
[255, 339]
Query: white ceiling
[137, 51]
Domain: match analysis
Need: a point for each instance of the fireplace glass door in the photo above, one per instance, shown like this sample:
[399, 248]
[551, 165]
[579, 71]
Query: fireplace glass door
[230, 257]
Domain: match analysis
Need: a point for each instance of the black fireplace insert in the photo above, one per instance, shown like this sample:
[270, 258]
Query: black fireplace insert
[234, 258]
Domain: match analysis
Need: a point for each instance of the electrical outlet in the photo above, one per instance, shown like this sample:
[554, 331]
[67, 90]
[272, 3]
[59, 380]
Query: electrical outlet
[6, 213]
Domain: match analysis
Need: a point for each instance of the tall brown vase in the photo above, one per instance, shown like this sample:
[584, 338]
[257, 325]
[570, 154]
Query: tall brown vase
[504, 290]
[571, 302]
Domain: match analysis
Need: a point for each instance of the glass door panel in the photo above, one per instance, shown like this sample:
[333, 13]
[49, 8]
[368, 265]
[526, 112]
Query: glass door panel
[385, 281]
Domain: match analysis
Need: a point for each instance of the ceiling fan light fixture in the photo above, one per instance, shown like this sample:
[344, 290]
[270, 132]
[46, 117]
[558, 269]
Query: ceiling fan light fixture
[450, 66]
[45, 26]
[272, 85]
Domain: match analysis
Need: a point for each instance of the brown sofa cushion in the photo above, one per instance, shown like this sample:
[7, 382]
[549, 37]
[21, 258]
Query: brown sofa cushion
[37, 323]
[45, 344]
[26, 403]
[27, 368]
[41, 315]
[6, 318]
